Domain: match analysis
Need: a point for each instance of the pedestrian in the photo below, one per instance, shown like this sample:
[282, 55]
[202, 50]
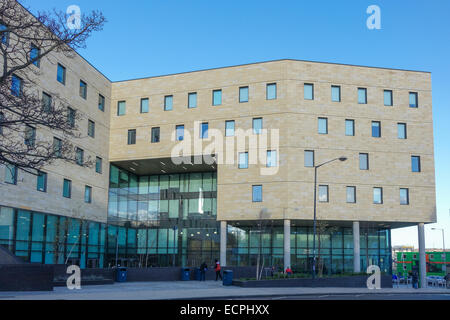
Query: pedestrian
[203, 269]
[217, 269]
[272, 271]
[288, 270]
[415, 280]
[447, 280]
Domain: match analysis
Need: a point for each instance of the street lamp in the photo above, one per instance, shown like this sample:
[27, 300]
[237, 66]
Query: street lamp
[315, 191]
[443, 246]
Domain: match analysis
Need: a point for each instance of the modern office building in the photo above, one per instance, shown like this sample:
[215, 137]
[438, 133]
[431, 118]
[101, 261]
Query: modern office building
[220, 163]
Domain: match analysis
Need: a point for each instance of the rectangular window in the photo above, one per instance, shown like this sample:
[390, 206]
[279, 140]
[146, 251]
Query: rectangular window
[336, 93]
[155, 135]
[16, 86]
[2, 118]
[388, 99]
[323, 126]
[192, 100]
[10, 174]
[98, 165]
[61, 74]
[91, 128]
[404, 196]
[121, 108]
[46, 102]
[229, 128]
[377, 195]
[67, 188]
[71, 117]
[309, 158]
[257, 125]
[34, 54]
[362, 95]
[271, 158]
[217, 97]
[401, 129]
[83, 89]
[271, 91]
[243, 94]
[308, 89]
[376, 129]
[168, 103]
[349, 127]
[101, 102]
[30, 136]
[323, 193]
[132, 136]
[88, 194]
[364, 161]
[415, 164]
[180, 132]
[42, 181]
[243, 160]
[204, 130]
[257, 193]
[4, 35]
[144, 105]
[351, 194]
[79, 156]
[57, 147]
[413, 100]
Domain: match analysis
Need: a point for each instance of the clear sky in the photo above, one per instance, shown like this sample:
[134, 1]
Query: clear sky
[154, 37]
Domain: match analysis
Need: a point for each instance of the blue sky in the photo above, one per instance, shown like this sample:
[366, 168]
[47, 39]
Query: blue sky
[154, 37]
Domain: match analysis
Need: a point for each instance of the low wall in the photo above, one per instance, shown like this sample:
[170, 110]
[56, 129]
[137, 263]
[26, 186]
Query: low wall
[26, 277]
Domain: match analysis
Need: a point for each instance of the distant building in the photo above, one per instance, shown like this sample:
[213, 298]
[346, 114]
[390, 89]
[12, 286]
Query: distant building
[438, 262]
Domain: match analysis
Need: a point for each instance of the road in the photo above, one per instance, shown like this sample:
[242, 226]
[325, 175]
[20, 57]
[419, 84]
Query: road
[361, 296]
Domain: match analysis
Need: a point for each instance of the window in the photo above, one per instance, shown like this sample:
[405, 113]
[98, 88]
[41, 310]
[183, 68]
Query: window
[67, 188]
[271, 158]
[61, 74]
[413, 100]
[121, 108]
[2, 118]
[271, 91]
[5, 35]
[243, 94]
[132, 136]
[388, 100]
[376, 129]
[336, 93]
[364, 161]
[204, 130]
[144, 105]
[257, 193]
[16, 86]
[362, 95]
[87, 194]
[309, 158]
[217, 97]
[98, 165]
[377, 195]
[401, 129]
[257, 125]
[83, 89]
[30, 136]
[57, 147]
[404, 196]
[34, 54]
[351, 194]
[180, 132]
[46, 102]
[349, 127]
[168, 103]
[155, 135]
[91, 128]
[323, 126]
[308, 89]
[323, 193]
[229, 128]
[42, 181]
[10, 174]
[101, 102]
[243, 160]
[192, 100]
[415, 164]
[79, 156]
[71, 117]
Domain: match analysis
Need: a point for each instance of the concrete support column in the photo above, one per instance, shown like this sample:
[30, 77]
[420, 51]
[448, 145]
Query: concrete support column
[223, 243]
[287, 243]
[422, 258]
[356, 248]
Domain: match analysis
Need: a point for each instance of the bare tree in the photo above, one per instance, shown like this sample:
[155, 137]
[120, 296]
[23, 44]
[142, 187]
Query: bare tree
[25, 39]
[262, 224]
[322, 228]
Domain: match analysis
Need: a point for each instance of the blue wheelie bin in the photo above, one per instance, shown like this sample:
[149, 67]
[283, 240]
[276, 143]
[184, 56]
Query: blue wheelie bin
[227, 277]
[185, 274]
[121, 274]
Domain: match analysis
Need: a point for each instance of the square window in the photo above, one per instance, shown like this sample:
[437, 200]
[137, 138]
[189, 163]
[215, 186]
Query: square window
[271, 91]
[243, 160]
[155, 135]
[243, 94]
[217, 97]
[257, 125]
[364, 161]
[351, 194]
[179, 132]
[404, 196]
[413, 100]
[42, 181]
[192, 100]
[388, 99]
[415, 164]
[336, 93]
[132, 136]
[323, 193]
[323, 126]
[308, 91]
[257, 193]
[229, 128]
[309, 158]
[377, 195]
[168, 103]
[362, 95]
[376, 129]
[61, 74]
[349, 127]
[121, 108]
[144, 105]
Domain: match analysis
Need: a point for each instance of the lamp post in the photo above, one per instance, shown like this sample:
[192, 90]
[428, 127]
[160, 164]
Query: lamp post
[314, 226]
[443, 246]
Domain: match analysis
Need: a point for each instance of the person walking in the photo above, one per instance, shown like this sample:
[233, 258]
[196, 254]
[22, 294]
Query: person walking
[203, 269]
[217, 269]
[415, 280]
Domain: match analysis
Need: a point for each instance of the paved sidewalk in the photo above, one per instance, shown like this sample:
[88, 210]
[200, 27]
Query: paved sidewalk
[192, 290]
